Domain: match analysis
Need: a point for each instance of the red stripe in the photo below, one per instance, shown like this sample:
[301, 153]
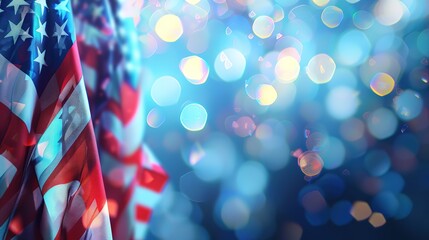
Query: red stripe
[89, 54]
[69, 68]
[143, 213]
[152, 180]
[127, 108]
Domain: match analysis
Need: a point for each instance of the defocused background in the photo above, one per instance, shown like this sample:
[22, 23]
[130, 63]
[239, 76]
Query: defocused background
[289, 119]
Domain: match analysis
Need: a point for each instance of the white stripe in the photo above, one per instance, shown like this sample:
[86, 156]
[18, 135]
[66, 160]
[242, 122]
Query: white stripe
[55, 205]
[134, 131]
[62, 133]
[111, 123]
[146, 197]
[100, 226]
[17, 91]
[90, 76]
[7, 172]
[140, 230]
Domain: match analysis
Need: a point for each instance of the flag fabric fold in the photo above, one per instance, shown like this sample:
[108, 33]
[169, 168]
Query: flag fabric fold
[111, 58]
[51, 185]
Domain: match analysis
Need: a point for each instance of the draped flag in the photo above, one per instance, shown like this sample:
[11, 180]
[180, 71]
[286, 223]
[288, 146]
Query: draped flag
[111, 60]
[51, 185]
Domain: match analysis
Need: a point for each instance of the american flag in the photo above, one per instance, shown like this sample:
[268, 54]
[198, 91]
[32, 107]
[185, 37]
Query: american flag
[111, 61]
[51, 184]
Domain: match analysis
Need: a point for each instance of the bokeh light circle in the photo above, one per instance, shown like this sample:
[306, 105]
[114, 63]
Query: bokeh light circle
[267, 95]
[195, 69]
[363, 19]
[382, 84]
[321, 68]
[311, 163]
[408, 105]
[388, 12]
[193, 117]
[382, 123]
[342, 102]
[166, 91]
[263, 26]
[377, 162]
[287, 69]
[155, 118]
[230, 65]
[169, 28]
[332, 16]
[251, 178]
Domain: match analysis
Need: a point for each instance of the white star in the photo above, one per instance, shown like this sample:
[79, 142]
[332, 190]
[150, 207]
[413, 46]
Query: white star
[63, 6]
[17, 3]
[42, 4]
[42, 30]
[1, 10]
[40, 59]
[25, 34]
[59, 31]
[15, 30]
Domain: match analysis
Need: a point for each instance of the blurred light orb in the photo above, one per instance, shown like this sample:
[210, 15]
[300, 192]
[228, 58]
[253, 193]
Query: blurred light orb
[408, 105]
[321, 68]
[422, 42]
[377, 220]
[251, 178]
[267, 95]
[230, 65]
[360, 211]
[193, 2]
[244, 126]
[311, 163]
[382, 123]
[320, 3]
[235, 213]
[287, 69]
[155, 118]
[363, 19]
[382, 84]
[342, 102]
[263, 26]
[166, 91]
[193, 117]
[195, 69]
[377, 162]
[169, 28]
[386, 203]
[253, 84]
[405, 206]
[353, 48]
[388, 12]
[333, 153]
[332, 16]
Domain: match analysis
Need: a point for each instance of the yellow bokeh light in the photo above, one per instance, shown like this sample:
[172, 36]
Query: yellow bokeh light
[287, 69]
[321, 3]
[382, 84]
[377, 220]
[360, 211]
[169, 28]
[267, 95]
[194, 69]
[193, 2]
